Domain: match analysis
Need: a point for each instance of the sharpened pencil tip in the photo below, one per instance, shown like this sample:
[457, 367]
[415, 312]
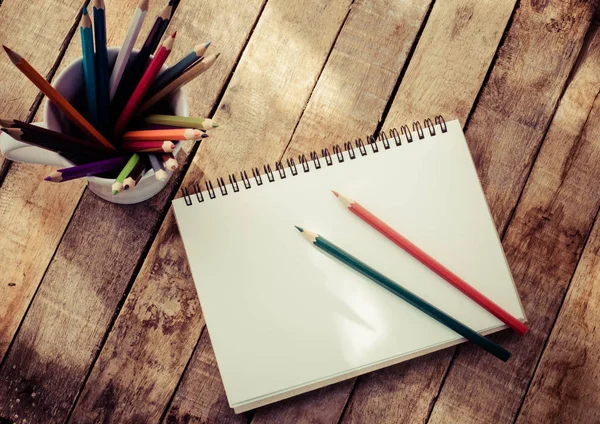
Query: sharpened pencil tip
[207, 44]
[14, 57]
[336, 193]
[48, 178]
[84, 11]
[204, 135]
[174, 34]
[215, 125]
[299, 228]
[115, 192]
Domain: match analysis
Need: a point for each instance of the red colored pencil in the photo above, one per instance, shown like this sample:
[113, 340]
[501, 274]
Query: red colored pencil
[433, 265]
[144, 84]
[149, 146]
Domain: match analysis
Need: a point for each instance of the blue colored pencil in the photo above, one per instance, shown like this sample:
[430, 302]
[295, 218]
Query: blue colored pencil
[177, 69]
[89, 69]
[102, 75]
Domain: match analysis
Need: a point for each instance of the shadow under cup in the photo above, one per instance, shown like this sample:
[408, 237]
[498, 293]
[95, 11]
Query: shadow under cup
[70, 84]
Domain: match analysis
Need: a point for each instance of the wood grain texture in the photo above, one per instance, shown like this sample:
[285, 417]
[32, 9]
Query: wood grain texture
[543, 243]
[29, 221]
[566, 383]
[168, 273]
[451, 60]
[35, 214]
[202, 377]
[358, 79]
[521, 96]
[76, 359]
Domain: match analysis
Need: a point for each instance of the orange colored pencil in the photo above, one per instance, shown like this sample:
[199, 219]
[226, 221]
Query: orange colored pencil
[433, 265]
[56, 98]
[144, 84]
[167, 134]
[149, 146]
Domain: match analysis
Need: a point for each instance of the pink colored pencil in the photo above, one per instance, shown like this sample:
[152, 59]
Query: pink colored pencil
[144, 84]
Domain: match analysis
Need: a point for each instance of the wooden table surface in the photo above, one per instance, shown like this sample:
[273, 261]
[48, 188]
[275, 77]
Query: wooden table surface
[99, 318]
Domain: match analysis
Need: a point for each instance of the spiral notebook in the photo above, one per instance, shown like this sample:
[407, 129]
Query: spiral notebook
[283, 317]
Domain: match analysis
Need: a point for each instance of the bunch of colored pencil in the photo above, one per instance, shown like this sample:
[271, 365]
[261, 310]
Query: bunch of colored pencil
[122, 136]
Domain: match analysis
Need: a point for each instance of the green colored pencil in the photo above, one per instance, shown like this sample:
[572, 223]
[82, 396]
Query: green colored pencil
[117, 186]
[181, 121]
[89, 67]
[424, 306]
[102, 74]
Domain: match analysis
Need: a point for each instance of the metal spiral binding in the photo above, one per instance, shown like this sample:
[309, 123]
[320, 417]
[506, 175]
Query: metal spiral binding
[325, 159]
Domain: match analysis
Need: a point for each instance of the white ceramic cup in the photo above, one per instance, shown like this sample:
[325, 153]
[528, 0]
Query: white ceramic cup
[70, 84]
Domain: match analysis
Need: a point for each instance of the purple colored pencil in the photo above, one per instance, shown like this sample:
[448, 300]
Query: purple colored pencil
[87, 169]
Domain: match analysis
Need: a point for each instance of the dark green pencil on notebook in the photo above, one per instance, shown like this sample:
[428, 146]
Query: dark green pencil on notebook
[469, 334]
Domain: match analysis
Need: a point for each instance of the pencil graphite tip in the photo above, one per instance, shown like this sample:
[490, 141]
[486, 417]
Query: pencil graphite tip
[174, 34]
[48, 178]
[204, 135]
[84, 11]
[336, 193]
[208, 43]
[115, 192]
[14, 57]
[215, 125]
[299, 228]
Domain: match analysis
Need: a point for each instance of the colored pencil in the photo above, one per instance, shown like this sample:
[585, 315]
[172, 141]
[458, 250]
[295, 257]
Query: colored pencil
[73, 152]
[35, 132]
[136, 174]
[144, 84]
[122, 58]
[174, 134]
[89, 67]
[409, 297]
[360, 211]
[169, 74]
[102, 76]
[181, 121]
[56, 98]
[147, 146]
[134, 72]
[181, 80]
[158, 167]
[86, 170]
[117, 186]
[170, 161]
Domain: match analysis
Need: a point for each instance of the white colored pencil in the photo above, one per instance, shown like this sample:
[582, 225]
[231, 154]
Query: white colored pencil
[132, 33]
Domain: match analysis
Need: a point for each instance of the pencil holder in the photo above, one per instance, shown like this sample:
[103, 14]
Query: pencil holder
[70, 84]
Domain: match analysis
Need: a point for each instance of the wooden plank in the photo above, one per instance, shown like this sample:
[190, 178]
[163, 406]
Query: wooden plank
[543, 243]
[35, 214]
[28, 224]
[421, 382]
[101, 248]
[298, 37]
[566, 383]
[451, 60]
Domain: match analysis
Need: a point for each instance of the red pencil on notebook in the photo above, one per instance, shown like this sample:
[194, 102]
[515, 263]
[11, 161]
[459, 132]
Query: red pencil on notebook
[433, 265]
[144, 84]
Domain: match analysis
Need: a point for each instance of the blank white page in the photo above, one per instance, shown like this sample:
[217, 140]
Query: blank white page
[284, 317]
